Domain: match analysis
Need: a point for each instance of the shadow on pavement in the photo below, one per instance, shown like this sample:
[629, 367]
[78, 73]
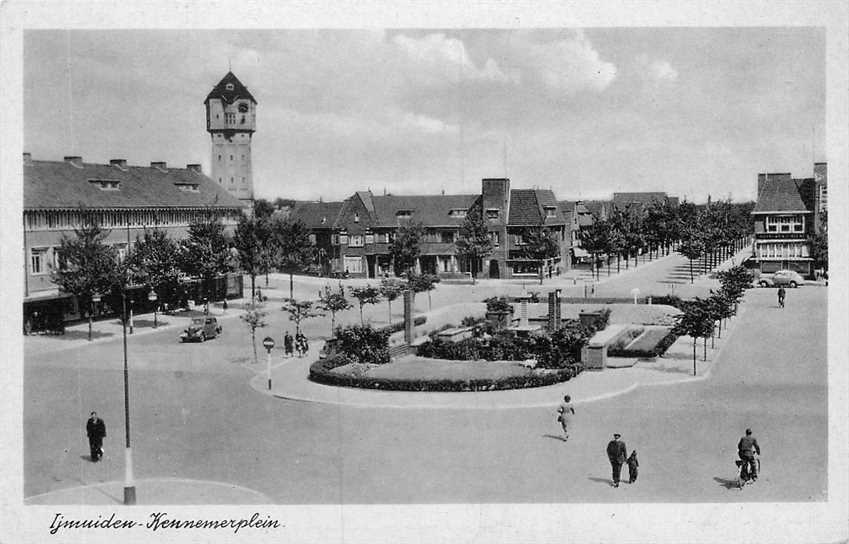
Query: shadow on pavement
[726, 483]
[604, 481]
[555, 437]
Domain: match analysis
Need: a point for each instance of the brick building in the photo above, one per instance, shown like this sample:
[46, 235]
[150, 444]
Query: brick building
[787, 213]
[355, 235]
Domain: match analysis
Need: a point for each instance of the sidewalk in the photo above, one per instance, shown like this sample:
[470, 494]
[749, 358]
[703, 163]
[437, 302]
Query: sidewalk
[107, 330]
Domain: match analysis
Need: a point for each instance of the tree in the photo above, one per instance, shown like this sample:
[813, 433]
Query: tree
[88, 266]
[292, 247]
[252, 239]
[819, 244]
[540, 244]
[205, 253]
[390, 289]
[254, 319]
[299, 311]
[423, 283]
[368, 294]
[405, 247]
[594, 239]
[696, 322]
[154, 263]
[333, 301]
[263, 209]
[474, 242]
[691, 247]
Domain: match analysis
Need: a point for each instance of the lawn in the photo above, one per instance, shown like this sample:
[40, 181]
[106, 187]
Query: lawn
[419, 368]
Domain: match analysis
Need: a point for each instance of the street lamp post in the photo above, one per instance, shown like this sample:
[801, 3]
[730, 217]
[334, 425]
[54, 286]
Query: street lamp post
[268, 343]
[129, 485]
[131, 312]
[153, 297]
[95, 299]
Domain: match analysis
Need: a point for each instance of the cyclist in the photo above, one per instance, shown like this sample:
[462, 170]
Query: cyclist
[747, 447]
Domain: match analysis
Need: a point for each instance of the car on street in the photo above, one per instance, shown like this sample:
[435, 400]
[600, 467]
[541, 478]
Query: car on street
[786, 278]
[201, 329]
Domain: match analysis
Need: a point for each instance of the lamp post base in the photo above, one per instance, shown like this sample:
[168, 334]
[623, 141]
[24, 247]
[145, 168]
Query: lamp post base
[130, 495]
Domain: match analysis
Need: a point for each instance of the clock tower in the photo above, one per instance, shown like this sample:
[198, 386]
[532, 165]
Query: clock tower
[231, 122]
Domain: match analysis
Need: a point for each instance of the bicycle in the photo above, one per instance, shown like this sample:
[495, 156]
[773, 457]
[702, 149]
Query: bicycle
[743, 476]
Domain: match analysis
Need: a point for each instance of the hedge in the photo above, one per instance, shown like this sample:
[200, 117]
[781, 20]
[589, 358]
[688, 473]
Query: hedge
[399, 325]
[320, 372]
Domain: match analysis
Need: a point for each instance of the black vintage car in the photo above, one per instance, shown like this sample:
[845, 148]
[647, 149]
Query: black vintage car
[201, 329]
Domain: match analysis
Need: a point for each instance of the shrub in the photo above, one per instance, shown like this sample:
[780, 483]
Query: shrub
[320, 373]
[669, 300]
[470, 321]
[363, 344]
[600, 322]
[399, 325]
[498, 305]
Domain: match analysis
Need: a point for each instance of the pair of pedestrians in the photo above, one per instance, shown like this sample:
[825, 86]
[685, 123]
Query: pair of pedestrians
[299, 343]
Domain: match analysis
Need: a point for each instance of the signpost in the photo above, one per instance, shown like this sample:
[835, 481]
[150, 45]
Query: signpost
[268, 342]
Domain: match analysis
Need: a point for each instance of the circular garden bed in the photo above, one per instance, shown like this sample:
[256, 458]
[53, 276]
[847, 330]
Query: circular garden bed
[418, 374]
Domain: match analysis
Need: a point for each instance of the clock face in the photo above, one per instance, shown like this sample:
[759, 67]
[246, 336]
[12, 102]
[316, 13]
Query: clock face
[243, 108]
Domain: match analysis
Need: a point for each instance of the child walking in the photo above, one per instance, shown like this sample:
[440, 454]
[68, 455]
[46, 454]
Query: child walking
[633, 467]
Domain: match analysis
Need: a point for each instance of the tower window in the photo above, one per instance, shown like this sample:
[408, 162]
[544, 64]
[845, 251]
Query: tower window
[219, 157]
[229, 87]
[231, 179]
[231, 157]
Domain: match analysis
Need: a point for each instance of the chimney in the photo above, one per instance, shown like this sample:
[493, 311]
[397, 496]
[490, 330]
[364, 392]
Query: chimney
[74, 160]
[160, 165]
[27, 159]
[194, 168]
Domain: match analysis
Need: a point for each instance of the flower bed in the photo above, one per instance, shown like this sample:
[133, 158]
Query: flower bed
[332, 372]
[653, 343]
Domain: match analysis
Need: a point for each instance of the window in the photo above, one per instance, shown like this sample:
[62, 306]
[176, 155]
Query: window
[354, 265]
[343, 239]
[188, 187]
[492, 213]
[229, 86]
[242, 120]
[494, 237]
[219, 158]
[38, 260]
[122, 252]
[231, 179]
[356, 240]
[323, 220]
[243, 157]
[356, 218]
[231, 157]
[382, 238]
[785, 223]
[447, 237]
[106, 184]
[230, 119]
[312, 239]
[518, 239]
[335, 240]
[458, 212]
[243, 107]
[404, 213]
[219, 180]
[550, 211]
[369, 238]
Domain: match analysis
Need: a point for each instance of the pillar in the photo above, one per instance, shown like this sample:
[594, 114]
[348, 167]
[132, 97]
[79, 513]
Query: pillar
[523, 313]
[408, 316]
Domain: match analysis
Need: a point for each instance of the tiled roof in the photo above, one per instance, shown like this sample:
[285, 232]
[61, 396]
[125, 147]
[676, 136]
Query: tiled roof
[645, 197]
[780, 194]
[316, 215]
[55, 184]
[430, 210]
[597, 208]
[239, 90]
[524, 208]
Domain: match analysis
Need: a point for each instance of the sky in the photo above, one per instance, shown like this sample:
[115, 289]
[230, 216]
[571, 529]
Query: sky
[585, 112]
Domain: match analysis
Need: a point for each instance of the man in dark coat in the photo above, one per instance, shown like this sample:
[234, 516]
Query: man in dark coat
[617, 453]
[96, 431]
[746, 449]
[781, 294]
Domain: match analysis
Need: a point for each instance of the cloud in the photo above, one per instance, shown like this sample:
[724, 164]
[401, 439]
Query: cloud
[447, 58]
[656, 70]
[569, 64]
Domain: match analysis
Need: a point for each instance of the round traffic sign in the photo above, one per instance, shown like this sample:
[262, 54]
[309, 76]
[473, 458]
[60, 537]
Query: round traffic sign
[268, 342]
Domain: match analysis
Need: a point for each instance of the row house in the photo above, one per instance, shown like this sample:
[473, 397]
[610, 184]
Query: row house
[355, 236]
[60, 196]
[787, 214]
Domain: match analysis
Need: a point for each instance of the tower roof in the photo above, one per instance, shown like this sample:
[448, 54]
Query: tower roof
[235, 91]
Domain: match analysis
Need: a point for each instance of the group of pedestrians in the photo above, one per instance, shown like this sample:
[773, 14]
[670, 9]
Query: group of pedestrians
[298, 343]
[748, 449]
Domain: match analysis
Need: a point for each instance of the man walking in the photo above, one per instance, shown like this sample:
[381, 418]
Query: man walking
[746, 449]
[287, 344]
[617, 453]
[564, 415]
[781, 294]
[96, 431]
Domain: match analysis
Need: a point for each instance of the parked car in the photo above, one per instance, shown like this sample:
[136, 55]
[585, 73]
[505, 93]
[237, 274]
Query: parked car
[201, 329]
[329, 349]
[787, 278]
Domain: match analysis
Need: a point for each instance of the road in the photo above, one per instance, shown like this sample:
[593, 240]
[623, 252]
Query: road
[194, 416]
